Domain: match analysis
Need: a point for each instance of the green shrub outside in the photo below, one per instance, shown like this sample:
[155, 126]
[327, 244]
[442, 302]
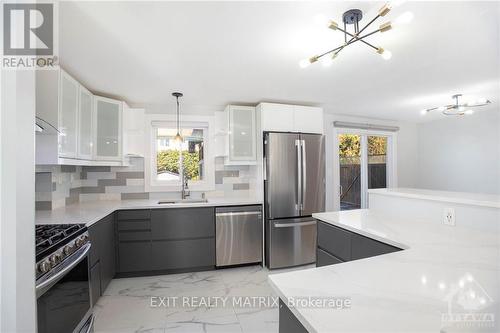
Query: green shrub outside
[168, 160]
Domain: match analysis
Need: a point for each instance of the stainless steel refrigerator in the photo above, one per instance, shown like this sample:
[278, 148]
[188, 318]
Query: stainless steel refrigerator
[294, 188]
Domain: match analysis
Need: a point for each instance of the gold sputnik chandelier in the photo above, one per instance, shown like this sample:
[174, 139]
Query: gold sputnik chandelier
[353, 17]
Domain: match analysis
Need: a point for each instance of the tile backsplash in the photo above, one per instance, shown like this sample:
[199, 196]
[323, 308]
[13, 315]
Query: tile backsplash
[58, 186]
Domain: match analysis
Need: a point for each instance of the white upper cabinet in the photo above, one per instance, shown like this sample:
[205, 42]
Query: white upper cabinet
[291, 118]
[108, 129]
[68, 116]
[242, 134]
[308, 119]
[133, 131]
[85, 125]
[276, 117]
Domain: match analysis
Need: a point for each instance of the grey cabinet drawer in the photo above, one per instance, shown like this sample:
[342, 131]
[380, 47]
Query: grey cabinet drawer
[324, 258]
[182, 223]
[139, 214]
[334, 240]
[181, 254]
[134, 256]
[134, 225]
[134, 236]
[364, 247]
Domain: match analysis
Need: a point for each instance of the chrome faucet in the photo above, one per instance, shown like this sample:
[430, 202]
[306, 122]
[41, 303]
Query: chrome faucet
[185, 193]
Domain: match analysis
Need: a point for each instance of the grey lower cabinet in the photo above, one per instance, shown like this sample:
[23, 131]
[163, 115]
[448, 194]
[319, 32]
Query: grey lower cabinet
[95, 283]
[288, 323]
[165, 240]
[183, 238]
[183, 254]
[133, 232]
[324, 258]
[102, 255]
[337, 245]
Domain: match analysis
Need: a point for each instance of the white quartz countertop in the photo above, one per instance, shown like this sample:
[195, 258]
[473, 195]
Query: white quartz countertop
[404, 291]
[92, 211]
[476, 199]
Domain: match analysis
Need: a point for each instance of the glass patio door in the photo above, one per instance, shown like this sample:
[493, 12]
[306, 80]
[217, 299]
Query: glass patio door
[363, 161]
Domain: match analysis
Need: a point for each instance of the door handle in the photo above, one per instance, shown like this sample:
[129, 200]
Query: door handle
[304, 173]
[341, 190]
[289, 225]
[299, 175]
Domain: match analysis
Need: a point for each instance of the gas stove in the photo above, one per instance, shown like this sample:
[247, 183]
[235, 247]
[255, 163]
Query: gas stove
[55, 243]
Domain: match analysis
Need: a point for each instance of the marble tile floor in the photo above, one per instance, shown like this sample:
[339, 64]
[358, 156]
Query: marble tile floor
[146, 304]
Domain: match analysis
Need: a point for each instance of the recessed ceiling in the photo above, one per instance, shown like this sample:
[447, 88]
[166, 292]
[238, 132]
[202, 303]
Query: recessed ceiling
[246, 52]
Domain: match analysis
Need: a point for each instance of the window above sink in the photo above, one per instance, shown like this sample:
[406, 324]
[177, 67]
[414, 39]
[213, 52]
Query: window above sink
[166, 159]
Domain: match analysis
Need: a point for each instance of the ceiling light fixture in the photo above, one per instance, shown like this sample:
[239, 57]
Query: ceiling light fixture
[353, 17]
[178, 136]
[458, 108]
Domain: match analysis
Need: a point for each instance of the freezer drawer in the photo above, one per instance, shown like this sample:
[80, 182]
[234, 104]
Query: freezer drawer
[238, 233]
[292, 242]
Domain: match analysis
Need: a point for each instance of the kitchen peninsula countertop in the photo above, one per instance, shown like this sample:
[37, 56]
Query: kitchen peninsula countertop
[402, 291]
[89, 212]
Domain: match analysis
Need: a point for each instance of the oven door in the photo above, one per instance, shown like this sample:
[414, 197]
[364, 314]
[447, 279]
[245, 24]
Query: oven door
[63, 303]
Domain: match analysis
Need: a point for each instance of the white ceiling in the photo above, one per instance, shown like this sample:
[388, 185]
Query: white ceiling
[246, 52]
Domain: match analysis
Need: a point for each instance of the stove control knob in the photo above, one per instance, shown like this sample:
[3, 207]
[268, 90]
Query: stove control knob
[44, 266]
[55, 258]
[78, 242]
[68, 249]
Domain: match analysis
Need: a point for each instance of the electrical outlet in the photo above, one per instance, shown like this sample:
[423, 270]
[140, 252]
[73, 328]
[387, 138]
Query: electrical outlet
[449, 216]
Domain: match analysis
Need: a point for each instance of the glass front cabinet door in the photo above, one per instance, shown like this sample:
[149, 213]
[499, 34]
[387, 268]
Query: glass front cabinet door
[68, 116]
[85, 139]
[242, 134]
[108, 129]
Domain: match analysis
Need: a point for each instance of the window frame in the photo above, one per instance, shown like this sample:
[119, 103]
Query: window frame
[152, 184]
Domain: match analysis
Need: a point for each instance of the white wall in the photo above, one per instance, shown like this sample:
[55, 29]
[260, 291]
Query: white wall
[17, 202]
[406, 152]
[461, 153]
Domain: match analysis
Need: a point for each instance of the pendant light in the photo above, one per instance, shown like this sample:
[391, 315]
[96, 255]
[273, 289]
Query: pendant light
[178, 136]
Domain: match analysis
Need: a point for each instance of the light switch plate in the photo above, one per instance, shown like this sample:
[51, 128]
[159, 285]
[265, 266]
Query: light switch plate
[449, 216]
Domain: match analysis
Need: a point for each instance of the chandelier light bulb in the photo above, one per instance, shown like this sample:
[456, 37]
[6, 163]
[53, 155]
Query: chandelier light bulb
[304, 63]
[469, 112]
[404, 18]
[441, 108]
[386, 55]
[321, 20]
[396, 3]
[423, 112]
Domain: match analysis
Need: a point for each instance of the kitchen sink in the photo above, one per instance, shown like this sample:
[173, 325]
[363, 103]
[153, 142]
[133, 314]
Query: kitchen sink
[181, 201]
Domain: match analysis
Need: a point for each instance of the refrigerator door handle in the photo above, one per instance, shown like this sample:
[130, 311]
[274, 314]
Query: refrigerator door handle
[304, 173]
[264, 167]
[299, 177]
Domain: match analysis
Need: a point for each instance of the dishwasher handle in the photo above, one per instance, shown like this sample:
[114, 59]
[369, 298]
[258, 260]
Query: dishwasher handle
[238, 213]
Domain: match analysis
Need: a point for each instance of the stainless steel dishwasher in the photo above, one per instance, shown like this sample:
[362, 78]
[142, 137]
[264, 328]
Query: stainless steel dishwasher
[238, 232]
